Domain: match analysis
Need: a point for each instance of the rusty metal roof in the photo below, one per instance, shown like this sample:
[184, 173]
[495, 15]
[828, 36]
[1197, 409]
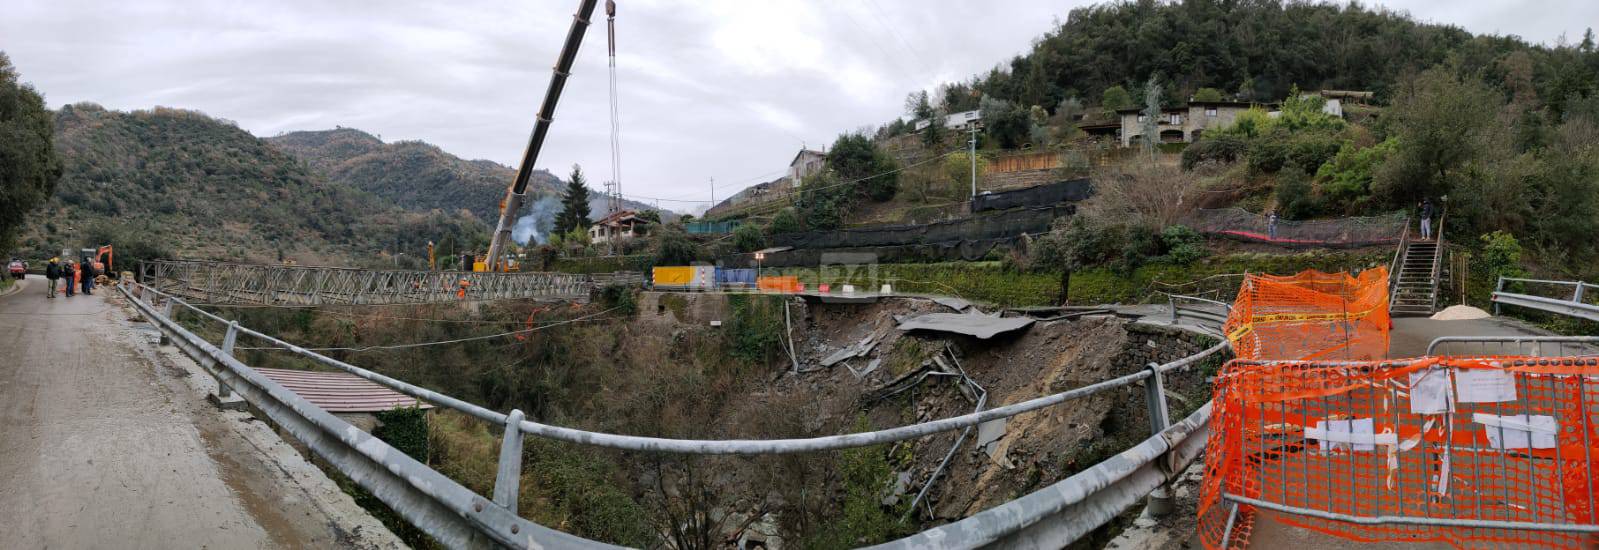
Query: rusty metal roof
[341, 392]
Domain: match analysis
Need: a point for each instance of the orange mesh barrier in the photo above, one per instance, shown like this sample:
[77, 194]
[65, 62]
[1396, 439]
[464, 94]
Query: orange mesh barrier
[1312, 315]
[1506, 439]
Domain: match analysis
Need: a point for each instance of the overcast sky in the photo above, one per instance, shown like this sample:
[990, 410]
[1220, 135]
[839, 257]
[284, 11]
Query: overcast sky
[728, 89]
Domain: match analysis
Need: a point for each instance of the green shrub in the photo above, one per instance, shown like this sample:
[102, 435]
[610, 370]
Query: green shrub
[748, 238]
[673, 247]
[620, 297]
[586, 489]
[1222, 148]
[1183, 245]
[405, 429]
[1310, 150]
[1346, 179]
[1295, 197]
[755, 328]
[863, 520]
[785, 221]
[1268, 153]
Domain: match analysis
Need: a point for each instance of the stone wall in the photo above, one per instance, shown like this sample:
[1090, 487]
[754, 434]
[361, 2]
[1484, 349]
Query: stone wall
[1162, 344]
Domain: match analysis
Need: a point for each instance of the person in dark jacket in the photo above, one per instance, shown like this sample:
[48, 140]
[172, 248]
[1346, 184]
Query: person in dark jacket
[52, 273]
[69, 278]
[86, 274]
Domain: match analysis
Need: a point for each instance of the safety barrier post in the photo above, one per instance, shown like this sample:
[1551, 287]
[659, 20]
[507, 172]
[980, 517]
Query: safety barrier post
[1160, 499]
[228, 340]
[509, 476]
[1577, 295]
[166, 311]
[1498, 287]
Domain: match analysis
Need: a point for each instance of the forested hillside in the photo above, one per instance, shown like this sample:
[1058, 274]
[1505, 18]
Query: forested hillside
[416, 175]
[1257, 49]
[170, 181]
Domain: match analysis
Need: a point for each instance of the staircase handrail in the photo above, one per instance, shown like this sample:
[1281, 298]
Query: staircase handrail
[1438, 254]
[1393, 266]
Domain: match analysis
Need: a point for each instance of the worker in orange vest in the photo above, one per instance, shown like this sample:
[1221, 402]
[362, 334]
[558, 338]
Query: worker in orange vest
[462, 293]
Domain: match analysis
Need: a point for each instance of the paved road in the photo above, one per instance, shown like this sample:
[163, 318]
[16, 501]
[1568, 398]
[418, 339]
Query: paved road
[105, 443]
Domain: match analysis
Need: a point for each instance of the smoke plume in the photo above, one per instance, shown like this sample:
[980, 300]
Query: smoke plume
[536, 225]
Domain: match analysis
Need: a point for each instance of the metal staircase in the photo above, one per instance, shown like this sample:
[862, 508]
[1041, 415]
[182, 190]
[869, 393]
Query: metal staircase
[1416, 276]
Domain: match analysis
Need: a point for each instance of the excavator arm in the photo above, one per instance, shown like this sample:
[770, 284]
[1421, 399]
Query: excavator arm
[514, 195]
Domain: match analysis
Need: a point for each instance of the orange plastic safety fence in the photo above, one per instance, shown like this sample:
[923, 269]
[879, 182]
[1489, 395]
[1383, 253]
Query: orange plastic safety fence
[1509, 439]
[786, 283]
[1312, 315]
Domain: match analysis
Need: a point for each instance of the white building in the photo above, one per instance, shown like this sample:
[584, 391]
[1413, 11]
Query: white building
[616, 226]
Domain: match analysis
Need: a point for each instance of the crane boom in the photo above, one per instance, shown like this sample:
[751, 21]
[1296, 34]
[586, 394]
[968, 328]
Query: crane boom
[524, 173]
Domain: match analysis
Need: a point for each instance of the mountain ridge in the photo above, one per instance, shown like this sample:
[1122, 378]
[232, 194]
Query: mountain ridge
[437, 179]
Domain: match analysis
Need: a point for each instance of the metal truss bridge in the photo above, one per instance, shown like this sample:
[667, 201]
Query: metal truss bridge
[287, 285]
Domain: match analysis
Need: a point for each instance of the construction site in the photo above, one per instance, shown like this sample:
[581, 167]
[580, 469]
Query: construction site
[1208, 295]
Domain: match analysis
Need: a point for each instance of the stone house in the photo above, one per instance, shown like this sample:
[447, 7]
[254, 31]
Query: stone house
[1180, 124]
[805, 163]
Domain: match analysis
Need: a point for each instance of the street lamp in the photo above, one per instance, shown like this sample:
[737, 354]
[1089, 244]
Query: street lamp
[759, 256]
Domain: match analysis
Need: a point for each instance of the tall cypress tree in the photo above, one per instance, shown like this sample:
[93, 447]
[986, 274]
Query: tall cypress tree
[575, 205]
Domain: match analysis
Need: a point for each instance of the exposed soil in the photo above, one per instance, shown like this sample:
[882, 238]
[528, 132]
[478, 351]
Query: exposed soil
[1036, 449]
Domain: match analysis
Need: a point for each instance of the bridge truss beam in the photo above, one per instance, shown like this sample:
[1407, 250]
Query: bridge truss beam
[257, 284]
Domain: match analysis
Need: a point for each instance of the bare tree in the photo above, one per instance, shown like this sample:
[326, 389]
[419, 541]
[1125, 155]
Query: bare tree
[1150, 193]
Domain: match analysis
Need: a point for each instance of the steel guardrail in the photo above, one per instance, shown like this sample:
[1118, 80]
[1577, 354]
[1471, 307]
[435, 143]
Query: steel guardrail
[1584, 344]
[1572, 307]
[1179, 310]
[434, 503]
[457, 517]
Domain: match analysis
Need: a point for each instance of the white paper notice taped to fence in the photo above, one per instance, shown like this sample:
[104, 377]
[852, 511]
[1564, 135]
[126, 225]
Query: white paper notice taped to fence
[1485, 385]
[1517, 431]
[1429, 391]
[1357, 434]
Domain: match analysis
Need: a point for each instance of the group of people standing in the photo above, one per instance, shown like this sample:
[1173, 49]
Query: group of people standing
[75, 274]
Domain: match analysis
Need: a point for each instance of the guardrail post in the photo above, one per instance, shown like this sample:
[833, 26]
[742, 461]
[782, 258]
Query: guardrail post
[1577, 296]
[1171, 301]
[509, 476]
[166, 311]
[1498, 287]
[228, 340]
[1160, 499]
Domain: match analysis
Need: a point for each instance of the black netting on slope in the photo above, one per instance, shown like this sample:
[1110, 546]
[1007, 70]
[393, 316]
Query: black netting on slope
[1037, 196]
[1008, 224]
[1240, 224]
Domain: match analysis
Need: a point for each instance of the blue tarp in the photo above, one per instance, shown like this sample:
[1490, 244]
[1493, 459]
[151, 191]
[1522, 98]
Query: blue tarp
[735, 277]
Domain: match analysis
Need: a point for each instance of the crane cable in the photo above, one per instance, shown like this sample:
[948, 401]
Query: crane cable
[615, 200]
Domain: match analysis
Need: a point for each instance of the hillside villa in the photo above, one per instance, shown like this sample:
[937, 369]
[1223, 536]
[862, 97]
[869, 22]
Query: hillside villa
[616, 226]
[1185, 124]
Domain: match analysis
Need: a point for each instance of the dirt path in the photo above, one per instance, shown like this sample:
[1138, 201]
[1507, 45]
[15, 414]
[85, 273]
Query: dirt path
[105, 442]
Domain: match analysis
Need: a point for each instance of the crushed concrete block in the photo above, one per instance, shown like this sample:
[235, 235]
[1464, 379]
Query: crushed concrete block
[902, 482]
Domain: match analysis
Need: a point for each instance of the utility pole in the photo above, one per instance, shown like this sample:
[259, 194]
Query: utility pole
[972, 156]
[713, 191]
